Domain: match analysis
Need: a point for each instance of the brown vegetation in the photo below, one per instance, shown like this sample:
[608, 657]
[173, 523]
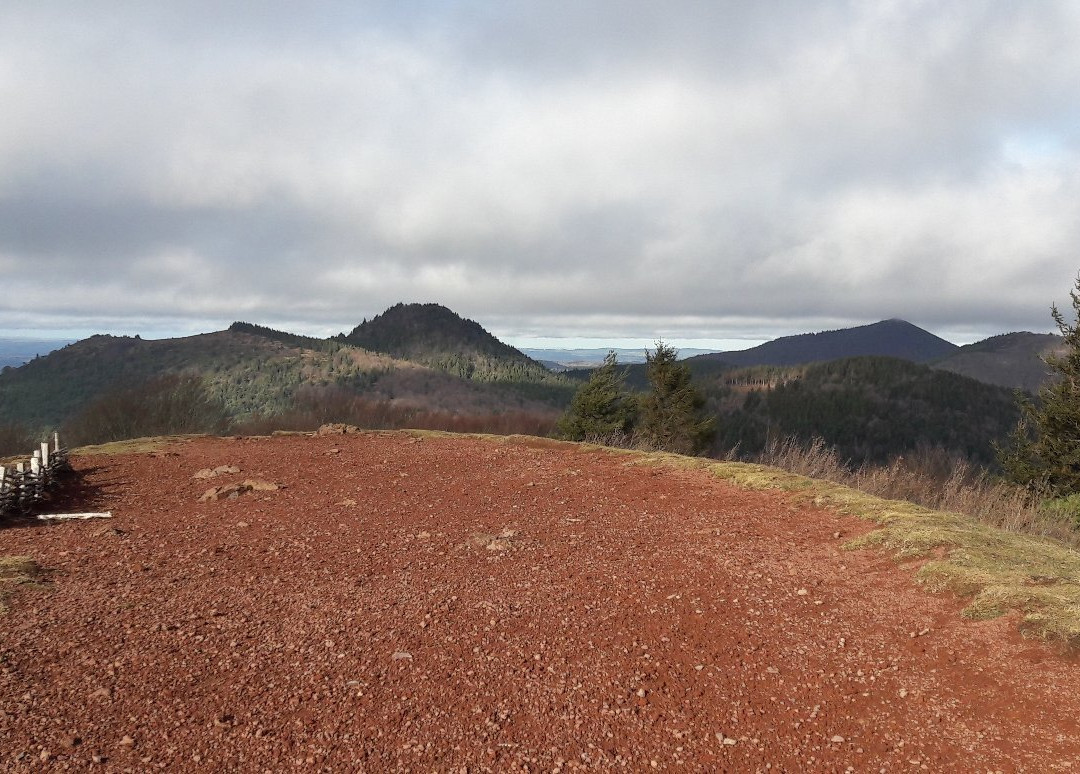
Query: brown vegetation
[317, 407]
[933, 479]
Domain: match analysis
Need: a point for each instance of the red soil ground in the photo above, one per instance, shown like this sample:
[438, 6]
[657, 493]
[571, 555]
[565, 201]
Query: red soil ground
[456, 604]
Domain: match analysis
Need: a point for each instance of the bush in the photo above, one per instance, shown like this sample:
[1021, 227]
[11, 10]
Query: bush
[15, 439]
[167, 405]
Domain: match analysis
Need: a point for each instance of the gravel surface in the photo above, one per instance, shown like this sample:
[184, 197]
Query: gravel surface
[462, 604]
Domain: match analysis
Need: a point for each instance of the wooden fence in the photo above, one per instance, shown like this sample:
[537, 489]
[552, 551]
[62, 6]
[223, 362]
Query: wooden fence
[25, 484]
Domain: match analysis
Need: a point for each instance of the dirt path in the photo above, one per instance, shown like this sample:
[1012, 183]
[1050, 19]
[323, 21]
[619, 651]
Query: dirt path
[460, 604]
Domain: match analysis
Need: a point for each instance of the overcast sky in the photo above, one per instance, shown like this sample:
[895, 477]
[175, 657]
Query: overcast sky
[609, 170]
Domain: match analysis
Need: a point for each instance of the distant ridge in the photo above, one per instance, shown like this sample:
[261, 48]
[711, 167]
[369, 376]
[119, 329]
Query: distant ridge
[888, 338]
[435, 336]
[292, 339]
[1009, 360]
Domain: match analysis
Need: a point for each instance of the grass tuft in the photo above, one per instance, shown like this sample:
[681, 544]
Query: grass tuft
[15, 572]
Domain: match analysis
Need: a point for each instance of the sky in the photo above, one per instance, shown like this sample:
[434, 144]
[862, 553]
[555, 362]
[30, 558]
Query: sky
[563, 172]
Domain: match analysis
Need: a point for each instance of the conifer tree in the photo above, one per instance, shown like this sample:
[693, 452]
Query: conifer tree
[1045, 449]
[601, 408]
[671, 414]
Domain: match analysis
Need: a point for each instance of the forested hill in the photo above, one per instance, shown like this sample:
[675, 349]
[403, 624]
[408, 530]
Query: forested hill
[870, 408]
[435, 336]
[888, 338]
[1009, 360]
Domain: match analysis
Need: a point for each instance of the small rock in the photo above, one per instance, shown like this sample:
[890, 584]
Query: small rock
[101, 693]
[641, 692]
[837, 739]
[401, 655]
[423, 535]
[70, 741]
[802, 592]
[127, 741]
[348, 502]
[903, 693]
[337, 428]
[258, 485]
[44, 756]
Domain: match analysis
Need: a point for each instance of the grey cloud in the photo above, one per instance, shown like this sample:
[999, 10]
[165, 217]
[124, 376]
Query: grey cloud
[793, 162]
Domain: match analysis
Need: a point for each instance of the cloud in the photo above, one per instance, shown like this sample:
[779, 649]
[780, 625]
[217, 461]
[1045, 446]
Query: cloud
[634, 167]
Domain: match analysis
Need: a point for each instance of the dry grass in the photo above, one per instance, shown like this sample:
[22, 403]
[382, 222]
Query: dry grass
[933, 480]
[135, 445]
[16, 572]
[331, 406]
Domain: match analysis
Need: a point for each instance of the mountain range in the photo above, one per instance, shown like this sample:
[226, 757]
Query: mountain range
[888, 338]
[427, 357]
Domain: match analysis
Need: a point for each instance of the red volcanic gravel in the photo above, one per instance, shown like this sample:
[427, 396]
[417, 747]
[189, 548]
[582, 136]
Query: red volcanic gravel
[462, 604]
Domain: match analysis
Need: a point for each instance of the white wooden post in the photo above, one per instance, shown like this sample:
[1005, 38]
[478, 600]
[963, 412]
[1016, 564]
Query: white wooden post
[45, 452]
[35, 464]
[56, 443]
[3, 475]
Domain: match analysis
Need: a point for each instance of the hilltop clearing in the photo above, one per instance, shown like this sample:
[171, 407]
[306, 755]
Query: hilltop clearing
[403, 602]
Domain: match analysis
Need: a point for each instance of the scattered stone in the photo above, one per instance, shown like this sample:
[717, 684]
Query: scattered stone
[219, 493]
[258, 485]
[220, 470]
[837, 739]
[337, 428]
[903, 693]
[101, 693]
[802, 592]
[401, 655]
[127, 741]
[232, 491]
